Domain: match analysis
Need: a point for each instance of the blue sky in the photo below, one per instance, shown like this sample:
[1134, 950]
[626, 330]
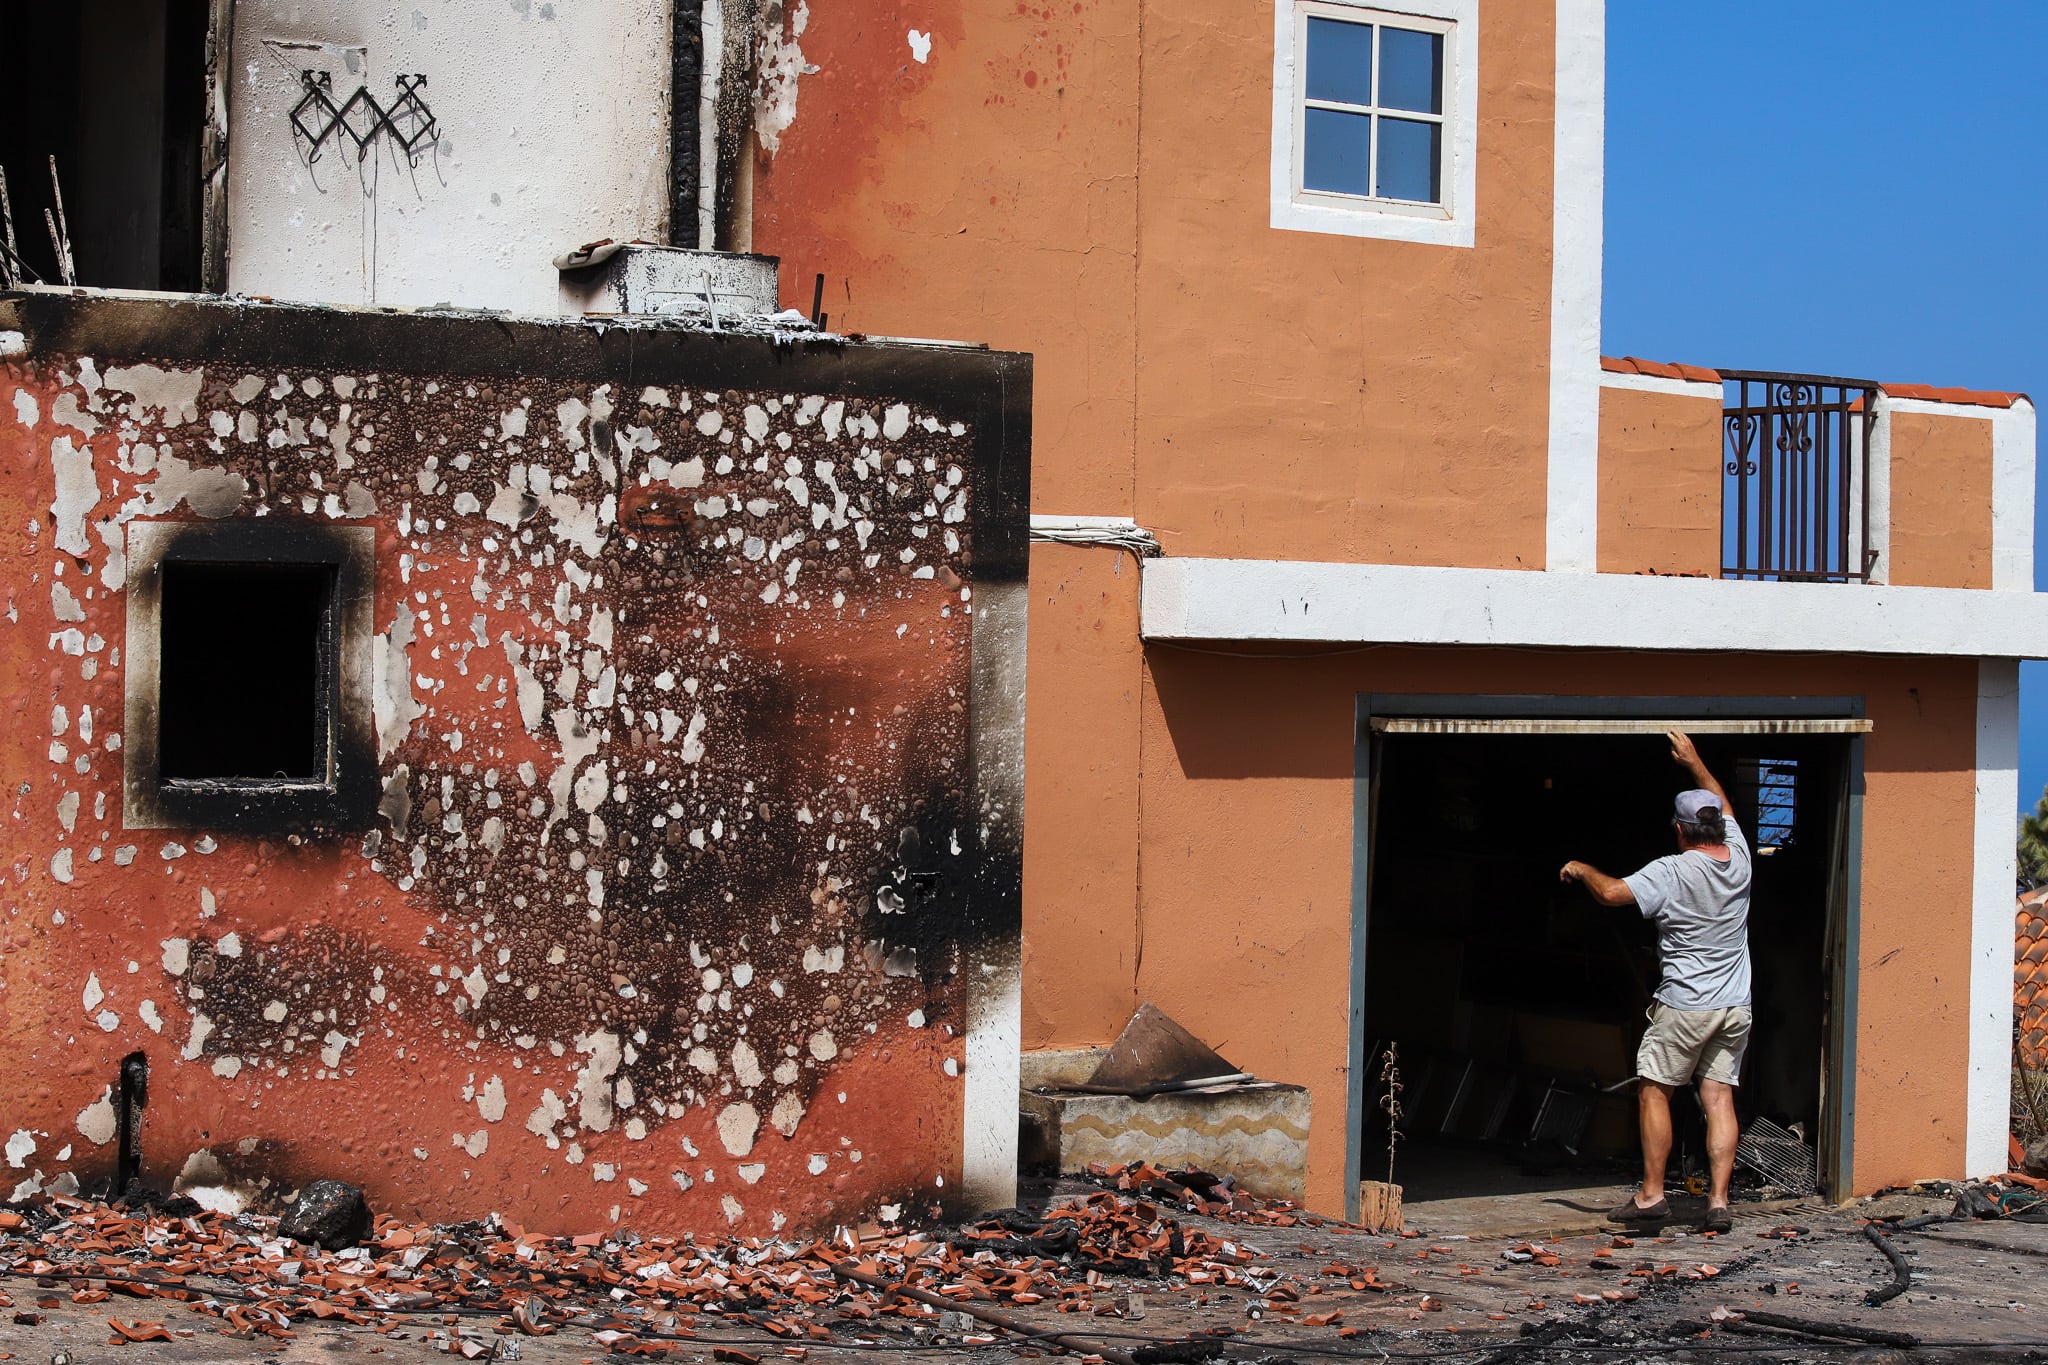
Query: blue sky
[1836, 188]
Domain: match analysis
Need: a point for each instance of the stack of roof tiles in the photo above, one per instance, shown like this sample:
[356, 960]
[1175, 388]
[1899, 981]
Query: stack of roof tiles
[2030, 978]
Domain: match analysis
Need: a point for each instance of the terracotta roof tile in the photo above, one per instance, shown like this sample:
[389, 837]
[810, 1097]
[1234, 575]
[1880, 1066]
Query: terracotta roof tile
[1697, 374]
[1981, 398]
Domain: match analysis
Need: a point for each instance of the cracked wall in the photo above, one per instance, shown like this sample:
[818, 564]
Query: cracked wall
[684, 873]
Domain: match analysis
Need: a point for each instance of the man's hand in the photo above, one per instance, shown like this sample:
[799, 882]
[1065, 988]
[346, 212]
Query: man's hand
[1687, 757]
[1603, 888]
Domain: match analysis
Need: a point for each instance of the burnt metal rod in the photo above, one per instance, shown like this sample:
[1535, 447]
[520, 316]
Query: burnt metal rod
[818, 300]
[1009, 1322]
[60, 230]
[1806, 1327]
[1902, 1274]
[9, 254]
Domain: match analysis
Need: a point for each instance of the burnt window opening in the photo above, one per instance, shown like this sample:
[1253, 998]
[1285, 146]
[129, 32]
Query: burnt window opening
[118, 91]
[246, 672]
[249, 677]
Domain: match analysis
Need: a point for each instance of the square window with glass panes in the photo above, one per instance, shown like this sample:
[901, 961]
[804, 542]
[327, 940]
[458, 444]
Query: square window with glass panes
[1370, 114]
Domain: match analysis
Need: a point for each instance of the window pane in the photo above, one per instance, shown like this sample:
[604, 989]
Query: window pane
[1337, 151]
[1411, 160]
[1411, 70]
[1339, 61]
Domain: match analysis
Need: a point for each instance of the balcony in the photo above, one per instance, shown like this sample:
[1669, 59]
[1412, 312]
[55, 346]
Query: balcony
[1763, 476]
[1795, 490]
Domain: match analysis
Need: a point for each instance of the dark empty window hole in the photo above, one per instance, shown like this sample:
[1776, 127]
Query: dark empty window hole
[245, 672]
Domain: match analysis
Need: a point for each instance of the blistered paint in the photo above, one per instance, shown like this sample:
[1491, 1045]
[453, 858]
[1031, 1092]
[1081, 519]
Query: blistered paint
[672, 705]
[778, 66]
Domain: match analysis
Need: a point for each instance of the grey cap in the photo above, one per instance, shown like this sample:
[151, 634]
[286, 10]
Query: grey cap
[1691, 805]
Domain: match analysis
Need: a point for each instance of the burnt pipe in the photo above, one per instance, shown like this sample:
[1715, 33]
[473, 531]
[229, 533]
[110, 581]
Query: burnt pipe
[131, 1096]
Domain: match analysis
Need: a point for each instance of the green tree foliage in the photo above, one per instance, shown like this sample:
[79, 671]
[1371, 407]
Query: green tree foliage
[2033, 846]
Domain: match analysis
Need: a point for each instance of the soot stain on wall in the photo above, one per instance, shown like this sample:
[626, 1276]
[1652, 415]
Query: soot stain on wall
[665, 894]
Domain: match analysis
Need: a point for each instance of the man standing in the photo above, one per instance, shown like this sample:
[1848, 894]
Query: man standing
[1699, 1024]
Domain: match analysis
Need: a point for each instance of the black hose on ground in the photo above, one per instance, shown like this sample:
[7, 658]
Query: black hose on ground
[1902, 1274]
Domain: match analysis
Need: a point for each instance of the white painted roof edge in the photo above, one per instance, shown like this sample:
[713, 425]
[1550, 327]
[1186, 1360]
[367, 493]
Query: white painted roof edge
[1305, 602]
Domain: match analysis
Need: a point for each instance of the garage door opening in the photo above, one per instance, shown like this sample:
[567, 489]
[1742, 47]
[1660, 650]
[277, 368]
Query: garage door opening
[1516, 1003]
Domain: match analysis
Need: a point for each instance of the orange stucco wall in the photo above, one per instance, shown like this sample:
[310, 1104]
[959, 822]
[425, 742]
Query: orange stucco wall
[1941, 500]
[1089, 182]
[1081, 757]
[1246, 863]
[1660, 482]
[989, 193]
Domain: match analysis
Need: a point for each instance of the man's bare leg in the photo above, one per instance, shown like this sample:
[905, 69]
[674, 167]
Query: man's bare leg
[1653, 1116]
[1718, 1099]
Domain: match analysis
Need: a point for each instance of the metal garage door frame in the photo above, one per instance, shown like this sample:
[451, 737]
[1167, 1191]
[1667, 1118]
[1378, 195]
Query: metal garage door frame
[1458, 713]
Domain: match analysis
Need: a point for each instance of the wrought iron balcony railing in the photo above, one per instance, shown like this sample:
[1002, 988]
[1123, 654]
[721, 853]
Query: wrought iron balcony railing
[1795, 488]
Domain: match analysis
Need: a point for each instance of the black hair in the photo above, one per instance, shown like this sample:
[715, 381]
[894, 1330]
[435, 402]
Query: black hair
[1707, 828]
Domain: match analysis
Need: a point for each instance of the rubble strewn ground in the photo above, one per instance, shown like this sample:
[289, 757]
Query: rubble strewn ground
[1141, 1266]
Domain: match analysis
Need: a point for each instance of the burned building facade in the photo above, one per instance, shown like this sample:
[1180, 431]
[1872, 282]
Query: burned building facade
[563, 768]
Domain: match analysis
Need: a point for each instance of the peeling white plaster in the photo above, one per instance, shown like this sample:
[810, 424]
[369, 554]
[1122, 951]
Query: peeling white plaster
[20, 1147]
[737, 1125]
[746, 1067]
[78, 492]
[173, 393]
[593, 1082]
[550, 1111]
[778, 63]
[393, 702]
[787, 1114]
[195, 1044]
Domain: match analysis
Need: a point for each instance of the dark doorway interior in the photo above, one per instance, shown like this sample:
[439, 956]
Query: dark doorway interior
[245, 672]
[1505, 990]
[116, 91]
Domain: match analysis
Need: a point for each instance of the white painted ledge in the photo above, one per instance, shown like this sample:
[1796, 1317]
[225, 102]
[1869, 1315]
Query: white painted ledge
[1297, 601]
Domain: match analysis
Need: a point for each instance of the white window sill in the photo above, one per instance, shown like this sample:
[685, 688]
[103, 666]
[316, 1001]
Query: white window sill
[1342, 220]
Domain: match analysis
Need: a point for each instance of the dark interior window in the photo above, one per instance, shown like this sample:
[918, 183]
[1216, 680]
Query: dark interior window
[116, 91]
[246, 672]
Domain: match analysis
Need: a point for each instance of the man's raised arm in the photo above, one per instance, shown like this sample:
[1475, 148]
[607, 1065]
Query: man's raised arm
[1688, 758]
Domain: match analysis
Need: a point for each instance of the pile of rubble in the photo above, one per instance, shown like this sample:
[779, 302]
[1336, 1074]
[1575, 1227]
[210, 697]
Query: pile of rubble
[468, 1286]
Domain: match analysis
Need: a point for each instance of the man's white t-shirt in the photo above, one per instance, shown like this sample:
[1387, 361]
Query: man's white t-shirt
[1700, 906]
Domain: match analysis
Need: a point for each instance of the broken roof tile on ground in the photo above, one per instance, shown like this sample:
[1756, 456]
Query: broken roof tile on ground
[1143, 1265]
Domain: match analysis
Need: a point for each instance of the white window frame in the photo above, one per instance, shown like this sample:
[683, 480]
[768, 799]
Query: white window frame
[1449, 223]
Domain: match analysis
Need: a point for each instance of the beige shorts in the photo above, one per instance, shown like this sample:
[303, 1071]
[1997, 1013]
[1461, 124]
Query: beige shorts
[1680, 1045]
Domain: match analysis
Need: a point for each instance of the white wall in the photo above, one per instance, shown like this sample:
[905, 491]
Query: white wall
[554, 126]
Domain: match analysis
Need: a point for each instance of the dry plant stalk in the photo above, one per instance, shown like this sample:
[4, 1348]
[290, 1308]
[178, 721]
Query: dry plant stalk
[1390, 1103]
[2026, 1087]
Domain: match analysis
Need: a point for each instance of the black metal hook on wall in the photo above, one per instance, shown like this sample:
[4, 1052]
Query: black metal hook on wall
[408, 123]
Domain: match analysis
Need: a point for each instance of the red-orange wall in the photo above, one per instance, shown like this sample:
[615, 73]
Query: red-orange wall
[657, 978]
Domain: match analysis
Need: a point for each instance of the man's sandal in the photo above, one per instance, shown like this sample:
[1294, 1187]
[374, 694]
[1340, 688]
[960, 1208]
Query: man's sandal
[1718, 1220]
